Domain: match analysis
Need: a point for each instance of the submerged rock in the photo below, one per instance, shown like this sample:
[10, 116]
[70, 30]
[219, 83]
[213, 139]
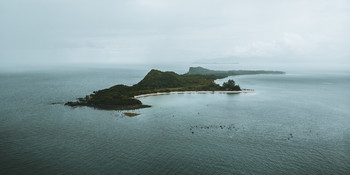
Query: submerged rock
[130, 114]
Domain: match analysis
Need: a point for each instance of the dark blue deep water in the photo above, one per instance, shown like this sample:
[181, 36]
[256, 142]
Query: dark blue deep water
[297, 123]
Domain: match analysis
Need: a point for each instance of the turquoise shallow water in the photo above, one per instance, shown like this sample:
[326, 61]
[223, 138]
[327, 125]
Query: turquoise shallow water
[293, 124]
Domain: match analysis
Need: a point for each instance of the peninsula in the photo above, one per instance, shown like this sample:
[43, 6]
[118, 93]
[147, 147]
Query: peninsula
[122, 97]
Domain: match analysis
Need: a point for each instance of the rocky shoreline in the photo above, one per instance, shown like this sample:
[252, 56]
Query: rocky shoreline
[108, 107]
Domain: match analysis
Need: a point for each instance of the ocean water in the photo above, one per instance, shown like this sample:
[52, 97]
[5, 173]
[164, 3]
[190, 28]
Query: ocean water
[297, 123]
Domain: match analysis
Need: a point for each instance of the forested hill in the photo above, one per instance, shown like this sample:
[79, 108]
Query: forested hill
[169, 81]
[222, 74]
[156, 79]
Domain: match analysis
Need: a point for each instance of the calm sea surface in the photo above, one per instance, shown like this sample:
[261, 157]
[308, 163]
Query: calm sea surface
[297, 123]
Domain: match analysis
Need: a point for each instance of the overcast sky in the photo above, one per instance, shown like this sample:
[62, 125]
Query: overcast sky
[138, 31]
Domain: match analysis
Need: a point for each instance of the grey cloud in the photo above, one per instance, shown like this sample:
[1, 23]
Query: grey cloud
[164, 31]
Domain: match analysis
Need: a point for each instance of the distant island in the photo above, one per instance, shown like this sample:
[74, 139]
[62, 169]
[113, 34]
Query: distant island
[122, 97]
[224, 74]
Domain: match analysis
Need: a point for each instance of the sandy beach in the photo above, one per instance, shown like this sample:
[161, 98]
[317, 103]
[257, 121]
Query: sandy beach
[194, 92]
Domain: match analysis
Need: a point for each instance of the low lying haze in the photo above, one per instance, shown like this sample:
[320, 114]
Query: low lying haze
[49, 32]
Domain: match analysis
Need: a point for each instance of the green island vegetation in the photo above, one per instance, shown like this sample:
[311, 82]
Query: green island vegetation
[121, 97]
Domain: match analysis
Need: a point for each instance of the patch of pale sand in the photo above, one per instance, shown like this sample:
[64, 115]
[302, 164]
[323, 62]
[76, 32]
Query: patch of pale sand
[193, 92]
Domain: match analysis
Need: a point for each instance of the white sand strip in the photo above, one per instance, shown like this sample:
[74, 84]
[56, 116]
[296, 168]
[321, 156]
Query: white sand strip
[193, 92]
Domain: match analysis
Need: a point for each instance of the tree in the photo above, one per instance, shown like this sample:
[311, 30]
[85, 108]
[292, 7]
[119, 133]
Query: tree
[230, 85]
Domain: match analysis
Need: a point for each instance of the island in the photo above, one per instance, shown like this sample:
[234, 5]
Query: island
[224, 74]
[122, 97]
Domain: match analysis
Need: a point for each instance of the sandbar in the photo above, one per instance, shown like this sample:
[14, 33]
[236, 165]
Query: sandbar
[194, 92]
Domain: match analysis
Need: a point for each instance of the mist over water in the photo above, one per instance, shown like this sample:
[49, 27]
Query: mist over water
[297, 123]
